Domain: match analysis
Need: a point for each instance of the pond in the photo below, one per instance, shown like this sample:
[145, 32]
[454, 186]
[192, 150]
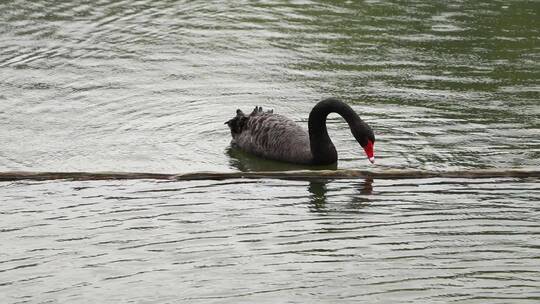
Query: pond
[147, 86]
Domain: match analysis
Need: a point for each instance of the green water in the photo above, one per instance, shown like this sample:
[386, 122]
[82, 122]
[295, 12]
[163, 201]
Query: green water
[146, 86]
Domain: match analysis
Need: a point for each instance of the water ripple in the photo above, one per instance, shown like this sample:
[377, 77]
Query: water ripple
[460, 236]
[147, 85]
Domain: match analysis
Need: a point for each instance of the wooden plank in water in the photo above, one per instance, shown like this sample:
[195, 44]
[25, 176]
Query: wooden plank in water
[297, 175]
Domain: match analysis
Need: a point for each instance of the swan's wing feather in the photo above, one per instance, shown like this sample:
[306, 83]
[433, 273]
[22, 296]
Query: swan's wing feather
[270, 135]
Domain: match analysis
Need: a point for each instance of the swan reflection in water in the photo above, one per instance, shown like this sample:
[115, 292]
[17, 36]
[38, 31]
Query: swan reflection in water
[318, 189]
[358, 200]
[247, 162]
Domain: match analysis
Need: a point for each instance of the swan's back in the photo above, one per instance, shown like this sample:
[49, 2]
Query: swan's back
[271, 136]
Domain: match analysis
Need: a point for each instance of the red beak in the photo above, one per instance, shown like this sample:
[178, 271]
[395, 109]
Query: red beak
[369, 151]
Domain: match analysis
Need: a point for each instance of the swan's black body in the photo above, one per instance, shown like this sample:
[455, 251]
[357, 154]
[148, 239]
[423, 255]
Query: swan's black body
[277, 137]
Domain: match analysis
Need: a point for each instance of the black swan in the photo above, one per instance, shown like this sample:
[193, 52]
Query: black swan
[277, 137]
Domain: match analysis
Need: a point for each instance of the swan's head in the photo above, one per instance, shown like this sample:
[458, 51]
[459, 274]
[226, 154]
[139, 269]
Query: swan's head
[365, 137]
[237, 123]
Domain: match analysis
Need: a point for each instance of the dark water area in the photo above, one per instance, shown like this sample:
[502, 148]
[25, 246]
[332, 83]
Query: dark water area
[147, 85]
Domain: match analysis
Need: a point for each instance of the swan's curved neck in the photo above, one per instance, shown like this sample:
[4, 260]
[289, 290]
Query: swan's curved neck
[322, 148]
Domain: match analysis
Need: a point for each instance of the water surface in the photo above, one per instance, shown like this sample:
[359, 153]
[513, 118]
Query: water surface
[431, 240]
[147, 85]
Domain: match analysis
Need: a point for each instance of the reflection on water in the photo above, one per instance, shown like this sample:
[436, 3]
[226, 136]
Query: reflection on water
[246, 162]
[318, 190]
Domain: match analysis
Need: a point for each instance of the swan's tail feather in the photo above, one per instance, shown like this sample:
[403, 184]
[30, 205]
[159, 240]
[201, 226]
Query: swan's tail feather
[256, 111]
[259, 110]
[240, 122]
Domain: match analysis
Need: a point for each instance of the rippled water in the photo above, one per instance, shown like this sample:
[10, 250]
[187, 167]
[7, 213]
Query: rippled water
[435, 240]
[146, 86]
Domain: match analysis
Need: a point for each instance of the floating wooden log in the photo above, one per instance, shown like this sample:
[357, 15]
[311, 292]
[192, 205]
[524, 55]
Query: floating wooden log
[295, 175]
